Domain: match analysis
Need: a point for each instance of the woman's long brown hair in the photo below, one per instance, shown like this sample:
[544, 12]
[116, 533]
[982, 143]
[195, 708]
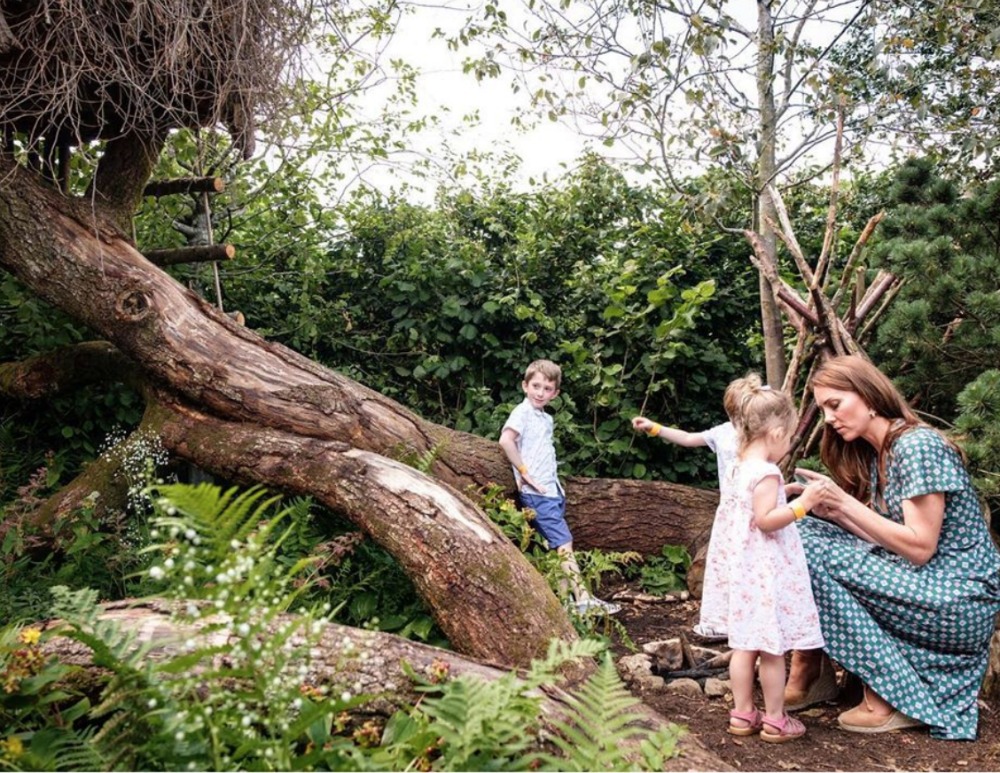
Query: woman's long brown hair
[850, 462]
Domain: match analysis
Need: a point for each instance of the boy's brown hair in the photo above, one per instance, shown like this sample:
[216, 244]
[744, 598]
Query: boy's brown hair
[547, 369]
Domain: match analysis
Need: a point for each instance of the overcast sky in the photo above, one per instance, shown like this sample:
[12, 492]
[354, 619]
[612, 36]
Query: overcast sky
[446, 92]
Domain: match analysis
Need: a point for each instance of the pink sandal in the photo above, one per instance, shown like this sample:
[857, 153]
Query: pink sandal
[788, 729]
[754, 722]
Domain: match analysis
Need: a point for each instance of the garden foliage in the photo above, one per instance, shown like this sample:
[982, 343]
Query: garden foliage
[240, 693]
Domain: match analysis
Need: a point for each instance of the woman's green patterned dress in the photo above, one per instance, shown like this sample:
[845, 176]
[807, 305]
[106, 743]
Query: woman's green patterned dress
[919, 636]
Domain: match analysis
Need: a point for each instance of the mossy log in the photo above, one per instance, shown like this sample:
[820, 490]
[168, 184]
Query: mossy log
[374, 667]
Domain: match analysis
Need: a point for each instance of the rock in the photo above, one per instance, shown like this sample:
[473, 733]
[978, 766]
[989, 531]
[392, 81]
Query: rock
[634, 668]
[716, 688]
[667, 654]
[684, 687]
[650, 682]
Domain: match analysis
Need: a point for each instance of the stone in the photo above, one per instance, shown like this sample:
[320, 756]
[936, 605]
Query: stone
[634, 668]
[716, 688]
[650, 682]
[667, 654]
[684, 687]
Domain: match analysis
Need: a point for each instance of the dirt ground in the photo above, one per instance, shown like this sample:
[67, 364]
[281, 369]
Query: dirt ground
[825, 746]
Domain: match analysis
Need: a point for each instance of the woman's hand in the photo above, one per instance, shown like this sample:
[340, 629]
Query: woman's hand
[819, 495]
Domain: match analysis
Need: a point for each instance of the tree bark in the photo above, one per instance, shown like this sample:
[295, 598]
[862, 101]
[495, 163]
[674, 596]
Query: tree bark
[62, 370]
[774, 339]
[122, 174]
[461, 564]
[640, 516]
[381, 673]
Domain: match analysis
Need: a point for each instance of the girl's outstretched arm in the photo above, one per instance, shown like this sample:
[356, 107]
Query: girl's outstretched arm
[670, 434]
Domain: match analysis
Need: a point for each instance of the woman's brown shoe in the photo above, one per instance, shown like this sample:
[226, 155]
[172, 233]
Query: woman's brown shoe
[864, 719]
[861, 720]
[822, 689]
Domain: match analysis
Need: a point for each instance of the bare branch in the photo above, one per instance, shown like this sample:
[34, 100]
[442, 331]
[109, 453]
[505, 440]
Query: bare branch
[859, 246]
[787, 235]
[831, 216]
[45, 375]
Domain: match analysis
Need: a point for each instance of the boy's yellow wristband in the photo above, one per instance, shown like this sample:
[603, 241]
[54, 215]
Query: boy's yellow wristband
[654, 430]
[798, 510]
[522, 468]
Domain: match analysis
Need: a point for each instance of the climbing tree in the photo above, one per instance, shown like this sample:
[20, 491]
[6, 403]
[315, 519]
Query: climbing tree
[111, 82]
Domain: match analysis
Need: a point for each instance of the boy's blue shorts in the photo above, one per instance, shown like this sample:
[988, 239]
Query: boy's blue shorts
[550, 518]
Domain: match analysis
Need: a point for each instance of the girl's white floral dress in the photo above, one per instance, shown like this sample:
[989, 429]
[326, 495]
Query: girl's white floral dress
[757, 586]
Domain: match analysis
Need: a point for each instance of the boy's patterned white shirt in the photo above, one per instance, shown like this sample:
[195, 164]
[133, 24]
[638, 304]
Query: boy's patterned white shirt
[534, 440]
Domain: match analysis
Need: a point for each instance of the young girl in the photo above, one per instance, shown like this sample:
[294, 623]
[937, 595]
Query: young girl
[756, 582]
[723, 440]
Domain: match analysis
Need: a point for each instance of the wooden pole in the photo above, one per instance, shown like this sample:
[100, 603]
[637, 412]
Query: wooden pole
[185, 185]
[203, 254]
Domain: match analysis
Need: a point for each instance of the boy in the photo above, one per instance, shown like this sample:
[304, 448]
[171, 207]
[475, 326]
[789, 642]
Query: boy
[526, 438]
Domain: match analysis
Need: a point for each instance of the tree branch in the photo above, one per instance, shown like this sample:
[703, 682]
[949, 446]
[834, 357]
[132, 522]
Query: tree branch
[52, 373]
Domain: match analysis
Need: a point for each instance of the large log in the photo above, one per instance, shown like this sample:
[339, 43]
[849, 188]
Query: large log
[62, 370]
[461, 564]
[640, 516]
[381, 672]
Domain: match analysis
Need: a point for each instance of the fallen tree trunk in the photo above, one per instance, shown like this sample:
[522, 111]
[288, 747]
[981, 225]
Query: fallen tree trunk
[461, 564]
[380, 672]
[640, 516]
[210, 369]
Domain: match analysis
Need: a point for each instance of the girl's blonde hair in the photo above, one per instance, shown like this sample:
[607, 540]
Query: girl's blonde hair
[758, 408]
[850, 462]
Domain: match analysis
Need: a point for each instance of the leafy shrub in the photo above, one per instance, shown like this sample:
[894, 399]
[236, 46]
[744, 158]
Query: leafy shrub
[594, 564]
[234, 695]
[664, 573]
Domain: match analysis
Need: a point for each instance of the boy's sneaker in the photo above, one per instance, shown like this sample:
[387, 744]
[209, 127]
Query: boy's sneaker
[591, 603]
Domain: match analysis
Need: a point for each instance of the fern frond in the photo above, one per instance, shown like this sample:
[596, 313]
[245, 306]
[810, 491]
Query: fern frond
[59, 748]
[559, 653]
[422, 462]
[220, 517]
[600, 731]
[481, 723]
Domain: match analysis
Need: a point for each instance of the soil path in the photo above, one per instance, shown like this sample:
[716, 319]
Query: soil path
[825, 747]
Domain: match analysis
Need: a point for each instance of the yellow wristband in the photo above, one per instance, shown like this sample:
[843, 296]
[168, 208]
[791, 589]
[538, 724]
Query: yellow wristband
[522, 468]
[654, 430]
[797, 510]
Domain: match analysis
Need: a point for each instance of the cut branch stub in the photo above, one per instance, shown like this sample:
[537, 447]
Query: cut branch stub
[159, 188]
[200, 254]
